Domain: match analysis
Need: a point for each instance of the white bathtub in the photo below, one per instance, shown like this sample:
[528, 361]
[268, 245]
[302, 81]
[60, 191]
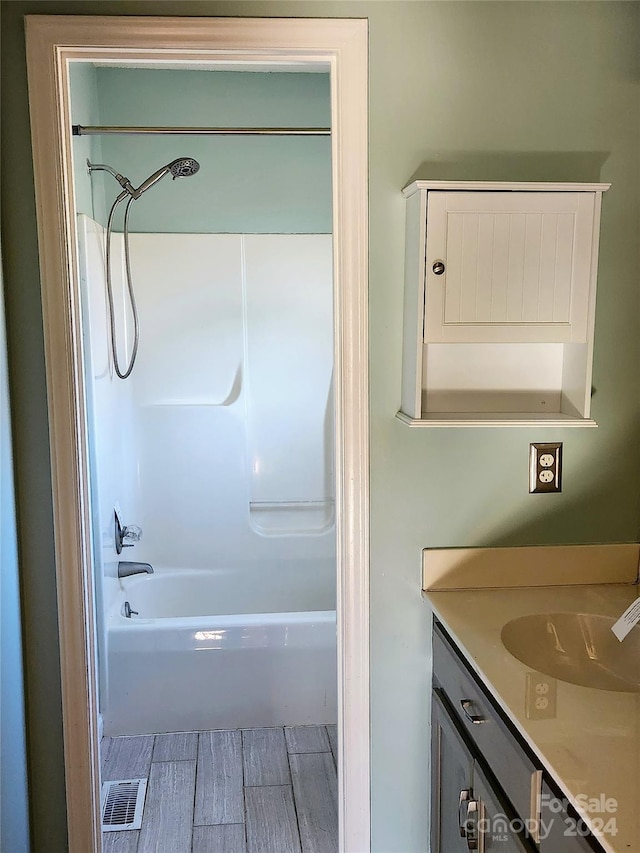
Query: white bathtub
[189, 661]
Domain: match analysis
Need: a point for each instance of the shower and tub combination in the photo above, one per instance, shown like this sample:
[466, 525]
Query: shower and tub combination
[219, 445]
[263, 658]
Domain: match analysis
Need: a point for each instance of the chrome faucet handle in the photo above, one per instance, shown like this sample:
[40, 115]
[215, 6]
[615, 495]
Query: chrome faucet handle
[125, 536]
[130, 535]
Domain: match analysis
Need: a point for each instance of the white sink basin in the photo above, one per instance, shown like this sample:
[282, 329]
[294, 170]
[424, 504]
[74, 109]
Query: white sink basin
[576, 647]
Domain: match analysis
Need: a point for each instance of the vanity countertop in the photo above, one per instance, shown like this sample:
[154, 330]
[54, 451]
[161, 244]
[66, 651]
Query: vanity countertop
[591, 748]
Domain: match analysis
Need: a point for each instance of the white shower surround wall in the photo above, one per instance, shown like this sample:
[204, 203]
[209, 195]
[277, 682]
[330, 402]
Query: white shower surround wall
[220, 447]
[232, 398]
[192, 661]
[229, 403]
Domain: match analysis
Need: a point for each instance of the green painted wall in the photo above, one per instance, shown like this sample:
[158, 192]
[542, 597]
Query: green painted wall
[85, 110]
[498, 90]
[245, 184]
[14, 813]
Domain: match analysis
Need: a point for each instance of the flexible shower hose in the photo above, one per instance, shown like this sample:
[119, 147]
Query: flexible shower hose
[127, 264]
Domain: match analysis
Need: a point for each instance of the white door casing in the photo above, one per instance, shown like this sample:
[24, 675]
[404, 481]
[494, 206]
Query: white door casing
[341, 46]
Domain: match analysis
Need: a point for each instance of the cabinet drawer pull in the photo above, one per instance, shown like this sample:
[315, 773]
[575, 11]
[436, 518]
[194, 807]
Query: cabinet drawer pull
[467, 707]
[465, 796]
[472, 825]
[469, 824]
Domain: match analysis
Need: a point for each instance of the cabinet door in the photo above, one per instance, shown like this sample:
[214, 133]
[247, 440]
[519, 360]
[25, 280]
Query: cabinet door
[496, 827]
[510, 267]
[451, 778]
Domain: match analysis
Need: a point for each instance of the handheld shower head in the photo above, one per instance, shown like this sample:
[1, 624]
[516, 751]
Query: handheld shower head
[183, 167]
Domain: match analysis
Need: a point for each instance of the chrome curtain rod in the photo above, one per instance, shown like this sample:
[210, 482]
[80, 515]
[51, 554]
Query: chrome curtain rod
[81, 130]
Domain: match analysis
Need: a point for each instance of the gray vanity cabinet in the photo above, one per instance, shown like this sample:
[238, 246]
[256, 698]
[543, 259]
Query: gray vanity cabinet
[487, 789]
[452, 775]
[465, 808]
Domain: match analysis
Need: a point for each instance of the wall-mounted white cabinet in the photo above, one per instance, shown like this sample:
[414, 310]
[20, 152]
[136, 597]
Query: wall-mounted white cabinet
[500, 283]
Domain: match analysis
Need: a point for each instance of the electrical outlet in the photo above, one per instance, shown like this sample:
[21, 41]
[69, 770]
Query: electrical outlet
[541, 695]
[545, 467]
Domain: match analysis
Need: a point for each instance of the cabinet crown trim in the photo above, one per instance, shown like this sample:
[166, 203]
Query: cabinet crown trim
[505, 186]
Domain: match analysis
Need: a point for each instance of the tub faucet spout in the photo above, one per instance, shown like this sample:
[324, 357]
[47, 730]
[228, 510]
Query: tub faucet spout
[127, 568]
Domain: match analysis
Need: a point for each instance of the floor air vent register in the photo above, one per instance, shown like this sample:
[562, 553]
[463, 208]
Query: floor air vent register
[123, 804]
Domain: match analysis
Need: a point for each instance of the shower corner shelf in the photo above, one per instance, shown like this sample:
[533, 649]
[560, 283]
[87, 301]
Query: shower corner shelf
[292, 518]
[499, 312]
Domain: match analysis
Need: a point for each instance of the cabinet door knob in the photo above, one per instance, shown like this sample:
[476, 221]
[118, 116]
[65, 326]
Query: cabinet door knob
[438, 268]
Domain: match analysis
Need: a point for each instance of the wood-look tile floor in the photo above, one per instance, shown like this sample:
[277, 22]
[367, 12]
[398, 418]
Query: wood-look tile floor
[242, 791]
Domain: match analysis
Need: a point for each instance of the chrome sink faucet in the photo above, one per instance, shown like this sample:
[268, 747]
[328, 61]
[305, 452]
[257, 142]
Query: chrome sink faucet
[126, 569]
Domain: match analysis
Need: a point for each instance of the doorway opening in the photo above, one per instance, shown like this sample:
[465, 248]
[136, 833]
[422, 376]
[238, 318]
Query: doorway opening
[286, 379]
[207, 324]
